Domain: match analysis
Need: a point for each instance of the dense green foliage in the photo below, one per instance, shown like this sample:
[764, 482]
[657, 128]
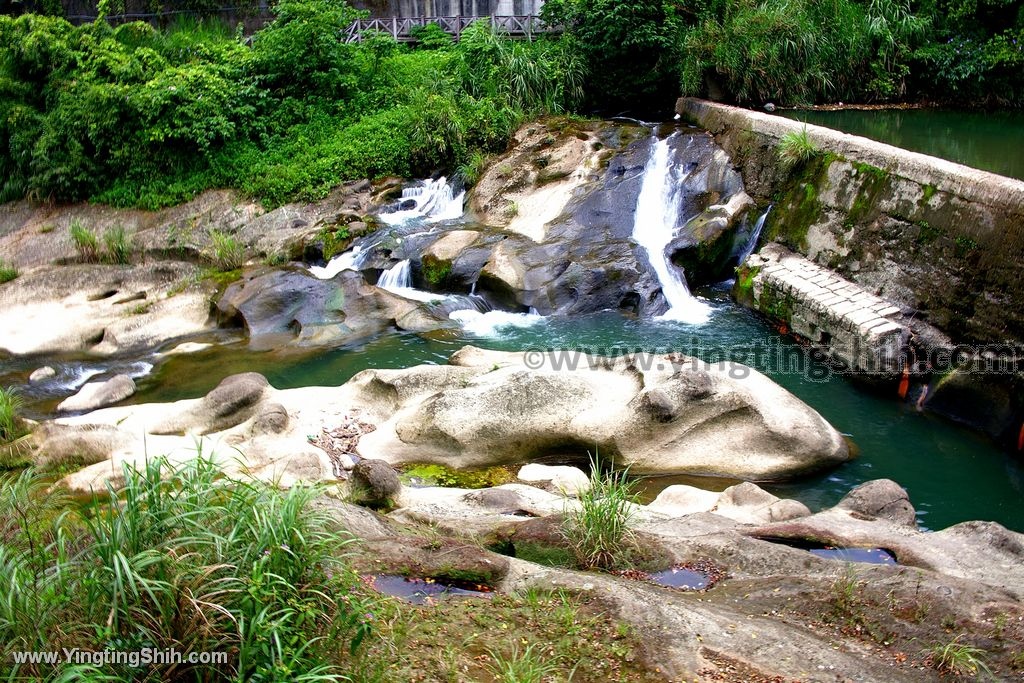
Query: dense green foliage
[182, 561]
[135, 116]
[798, 51]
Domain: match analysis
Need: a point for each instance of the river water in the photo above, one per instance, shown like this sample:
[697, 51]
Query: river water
[991, 141]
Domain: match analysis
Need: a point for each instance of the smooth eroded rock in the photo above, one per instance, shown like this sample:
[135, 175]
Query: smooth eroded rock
[99, 395]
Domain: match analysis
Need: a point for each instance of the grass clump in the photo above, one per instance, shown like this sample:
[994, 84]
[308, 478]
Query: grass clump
[178, 558]
[7, 272]
[228, 252]
[10, 405]
[526, 665]
[958, 658]
[599, 531]
[473, 168]
[118, 244]
[795, 148]
[87, 244]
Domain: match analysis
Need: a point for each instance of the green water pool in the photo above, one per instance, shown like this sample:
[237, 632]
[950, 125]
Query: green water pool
[952, 474]
[991, 141]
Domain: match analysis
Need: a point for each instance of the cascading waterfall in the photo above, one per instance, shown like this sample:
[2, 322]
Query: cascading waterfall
[434, 200]
[657, 214]
[755, 235]
[350, 260]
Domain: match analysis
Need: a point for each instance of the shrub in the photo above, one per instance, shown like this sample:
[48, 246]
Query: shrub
[118, 244]
[599, 530]
[795, 148]
[228, 252]
[7, 272]
[86, 243]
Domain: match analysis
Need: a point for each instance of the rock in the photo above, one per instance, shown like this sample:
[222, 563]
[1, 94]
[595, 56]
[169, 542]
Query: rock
[657, 414]
[290, 307]
[375, 483]
[478, 513]
[99, 395]
[746, 503]
[881, 499]
[41, 375]
[570, 481]
[680, 500]
[426, 558]
[60, 447]
[271, 419]
[769, 107]
[83, 298]
[230, 403]
[574, 251]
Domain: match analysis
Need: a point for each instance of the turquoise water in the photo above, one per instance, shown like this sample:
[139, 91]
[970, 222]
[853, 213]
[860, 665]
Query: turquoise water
[952, 474]
[992, 141]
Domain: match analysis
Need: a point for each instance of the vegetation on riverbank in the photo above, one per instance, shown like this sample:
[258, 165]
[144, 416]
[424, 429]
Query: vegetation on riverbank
[132, 116]
[799, 51]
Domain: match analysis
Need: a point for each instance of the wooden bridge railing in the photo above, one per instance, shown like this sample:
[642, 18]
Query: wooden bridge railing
[401, 28]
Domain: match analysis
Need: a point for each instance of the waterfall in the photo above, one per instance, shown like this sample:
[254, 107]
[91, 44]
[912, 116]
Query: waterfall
[349, 260]
[398, 276]
[430, 200]
[755, 235]
[657, 215]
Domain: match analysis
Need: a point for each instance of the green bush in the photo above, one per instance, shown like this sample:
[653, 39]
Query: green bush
[179, 558]
[7, 272]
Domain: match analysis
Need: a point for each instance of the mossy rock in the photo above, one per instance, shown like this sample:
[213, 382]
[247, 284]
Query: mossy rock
[435, 271]
[743, 289]
[431, 474]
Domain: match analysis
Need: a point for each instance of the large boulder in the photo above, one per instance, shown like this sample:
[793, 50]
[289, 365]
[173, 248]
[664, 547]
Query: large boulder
[291, 307]
[96, 395]
[658, 414]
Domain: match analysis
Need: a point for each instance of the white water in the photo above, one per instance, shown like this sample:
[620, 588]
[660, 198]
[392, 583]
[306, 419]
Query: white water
[398, 280]
[346, 261]
[755, 235]
[657, 214]
[491, 323]
[435, 201]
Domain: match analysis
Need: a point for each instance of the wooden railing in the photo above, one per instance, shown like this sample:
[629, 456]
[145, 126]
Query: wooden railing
[401, 28]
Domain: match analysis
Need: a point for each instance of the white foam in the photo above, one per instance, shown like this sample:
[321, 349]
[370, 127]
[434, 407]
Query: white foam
[346, 261]
[491, 323]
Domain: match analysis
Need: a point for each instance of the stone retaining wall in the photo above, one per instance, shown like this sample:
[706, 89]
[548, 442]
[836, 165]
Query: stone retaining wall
[839, 317]
[944, 241]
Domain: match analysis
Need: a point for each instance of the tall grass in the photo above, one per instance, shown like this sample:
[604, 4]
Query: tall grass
[527, 665]
[179, 558]
[600, 529]
[87, 244]
[10, 404]
[228, 252]
[118, 244]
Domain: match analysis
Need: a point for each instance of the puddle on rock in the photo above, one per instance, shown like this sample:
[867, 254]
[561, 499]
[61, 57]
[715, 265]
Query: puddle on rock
[431, 474]
[868, 555]
[681, 578]
[425, 591]
[839, 553]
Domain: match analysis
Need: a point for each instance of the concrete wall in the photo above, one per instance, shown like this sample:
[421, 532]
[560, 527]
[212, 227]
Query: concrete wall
[944, 241]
